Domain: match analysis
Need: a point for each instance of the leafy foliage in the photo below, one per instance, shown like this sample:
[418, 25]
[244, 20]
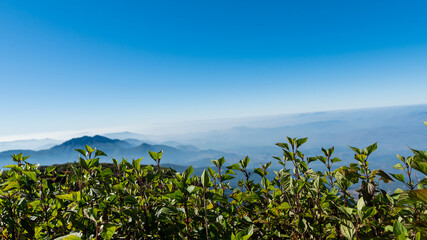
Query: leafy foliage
[127, 200]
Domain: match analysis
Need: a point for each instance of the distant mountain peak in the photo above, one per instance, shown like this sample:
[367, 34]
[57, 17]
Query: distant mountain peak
[125, 135]
[189, 148]
[97, 138]
[94, 141]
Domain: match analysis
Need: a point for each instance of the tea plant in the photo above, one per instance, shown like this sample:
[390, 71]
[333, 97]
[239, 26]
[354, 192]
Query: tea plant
[128, 200]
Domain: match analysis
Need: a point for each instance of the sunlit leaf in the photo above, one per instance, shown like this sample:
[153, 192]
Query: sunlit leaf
[10, 186]
[108, 230]
[399, 177]
[71, 236]
[399, 229]
[419, 195]
[106, 172]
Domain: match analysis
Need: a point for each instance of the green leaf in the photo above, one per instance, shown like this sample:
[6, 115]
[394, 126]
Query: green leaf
[205, 179]
[252, 197]
[177, 195]
[94, 162]
[284, 206]
[290, 140]
[50, 169]
[221, 161]
[317, 182]
[388, 228]
[83, 163]
[219, 198]
[191, 188]
[89, 149]
[118, 187]
[131, 212]
[356, 150]
[136, 163]
[301, 141]
[153, 155]
[244, 162]
[68, 197]
[89, 213]
[371, 211]
[187, 173]
[423, 183]
[370, 149]
[169, 211]
[71, 236]
[334, 160]
[81, 151]
[131, 200]
[108, 230]
[399, 229]
[360, 157]
[31, 175]
[384, 176]
[322, 159]
[35, 204]
[347, 230]
[288, 155]
[209, 206]
[11, 185]
[311, 159]
[331, 151]
[420, 166]
[148, 168]
[235, 166]
[215, 162]
[99, 153]
[259, 172]
[226, 177]
[403, 197]
[11, 166]
[211, 172]
[419, 195]
[304, 166]
[283, 145]
[418, 235]
[398, 166]
[265, 182]
[249, 232]
[422, 155]
[346, 210]
[360, 205]
[244, 234]
[106, 172]
[324, 152]
[401, 158]
[399, 177]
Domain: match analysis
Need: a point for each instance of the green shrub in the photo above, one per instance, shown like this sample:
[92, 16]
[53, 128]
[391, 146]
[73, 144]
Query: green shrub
[126, 200]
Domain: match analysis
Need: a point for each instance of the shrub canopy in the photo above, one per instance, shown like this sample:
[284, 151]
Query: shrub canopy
[126, 200]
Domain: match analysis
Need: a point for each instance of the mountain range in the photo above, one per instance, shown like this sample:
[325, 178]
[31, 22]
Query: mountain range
[395, 129]
[33, 144]
[115, 148]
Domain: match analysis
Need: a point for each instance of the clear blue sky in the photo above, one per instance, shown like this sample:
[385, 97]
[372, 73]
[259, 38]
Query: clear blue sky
[70, 65]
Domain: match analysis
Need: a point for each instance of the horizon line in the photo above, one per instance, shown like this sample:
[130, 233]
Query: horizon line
[68, 134]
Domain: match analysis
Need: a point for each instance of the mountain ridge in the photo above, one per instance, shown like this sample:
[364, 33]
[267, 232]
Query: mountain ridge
[116, 148]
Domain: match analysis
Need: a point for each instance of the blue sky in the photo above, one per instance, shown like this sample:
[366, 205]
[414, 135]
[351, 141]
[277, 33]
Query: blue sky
[71, 66]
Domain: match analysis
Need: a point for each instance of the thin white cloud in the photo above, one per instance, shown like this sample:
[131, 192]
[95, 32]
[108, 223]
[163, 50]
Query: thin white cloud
[60, 135]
